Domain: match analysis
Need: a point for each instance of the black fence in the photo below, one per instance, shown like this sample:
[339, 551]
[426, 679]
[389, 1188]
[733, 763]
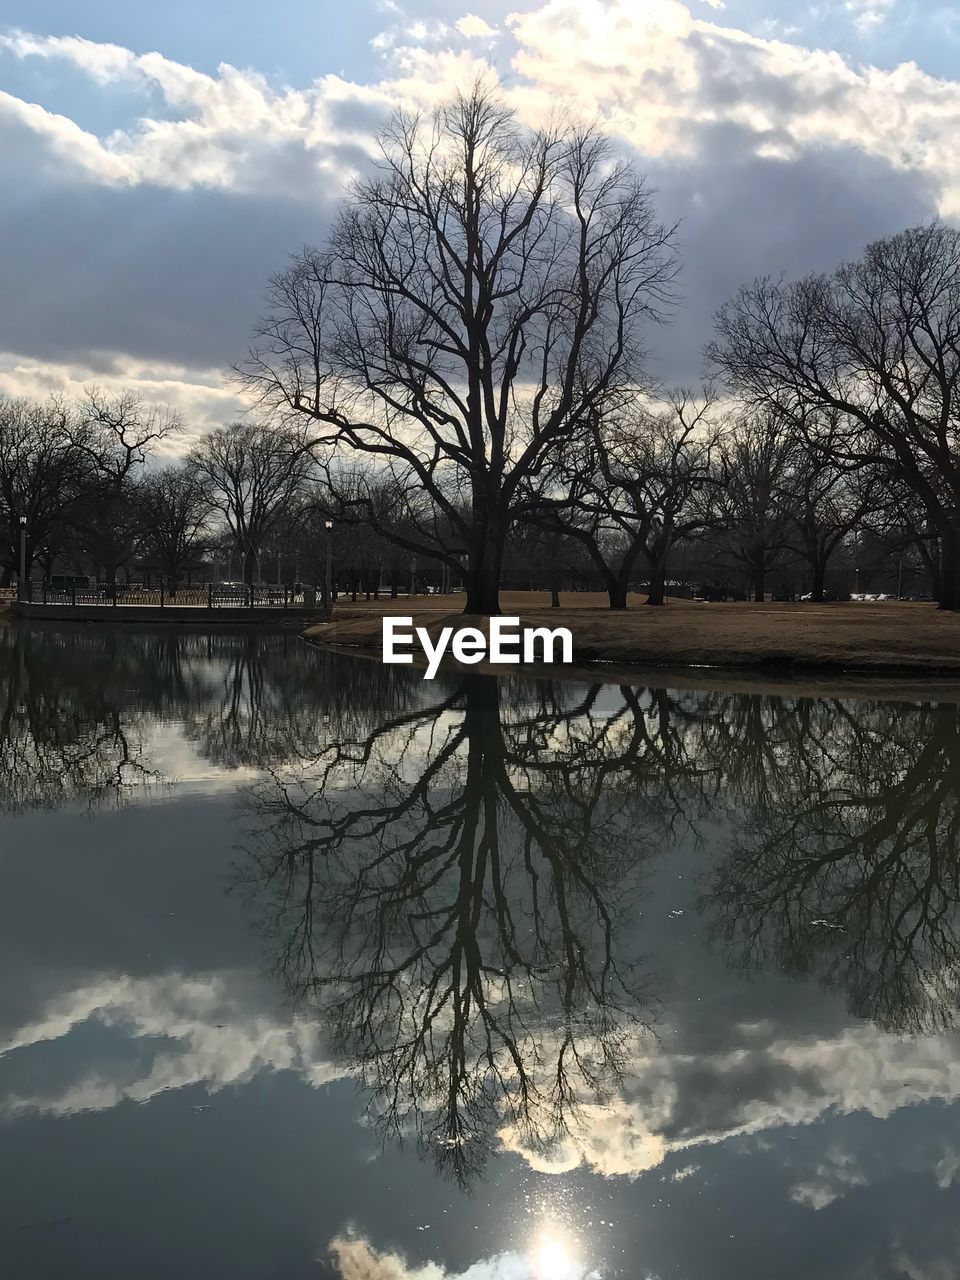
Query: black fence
[210, 595]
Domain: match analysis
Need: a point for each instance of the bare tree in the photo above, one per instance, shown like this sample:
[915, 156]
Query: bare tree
[659, 473]
[878, 342]
[824, 501]
[251, 473]
[114, 434]
[757, 454]
[42, 474]
[481, 296]
[173, 512]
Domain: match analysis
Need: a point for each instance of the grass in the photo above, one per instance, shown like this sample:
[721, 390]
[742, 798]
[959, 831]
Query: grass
[884, 637]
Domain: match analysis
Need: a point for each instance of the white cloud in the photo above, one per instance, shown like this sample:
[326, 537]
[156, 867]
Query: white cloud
[657, 74]
[201, 396]
[947, 1169]
[658, 1113]
[195, 1030]
[103, 62]
[834, 1177]
[356, 1259]
[663, 79]
[868, 14]
[228, 121]
[475, 28]
[62, 141]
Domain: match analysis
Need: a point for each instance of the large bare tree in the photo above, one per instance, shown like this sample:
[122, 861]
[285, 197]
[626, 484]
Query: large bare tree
[878, 342]
[481, 295]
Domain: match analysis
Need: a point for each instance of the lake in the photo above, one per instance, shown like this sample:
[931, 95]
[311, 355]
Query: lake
[311, 968]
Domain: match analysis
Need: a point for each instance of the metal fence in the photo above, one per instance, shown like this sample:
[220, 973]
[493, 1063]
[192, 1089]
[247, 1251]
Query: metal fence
[209, 595]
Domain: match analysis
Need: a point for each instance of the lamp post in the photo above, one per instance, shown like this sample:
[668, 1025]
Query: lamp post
[328, 601]
[22, 580]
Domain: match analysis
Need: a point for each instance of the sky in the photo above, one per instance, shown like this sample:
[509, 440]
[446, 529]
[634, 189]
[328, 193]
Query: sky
[159, 162]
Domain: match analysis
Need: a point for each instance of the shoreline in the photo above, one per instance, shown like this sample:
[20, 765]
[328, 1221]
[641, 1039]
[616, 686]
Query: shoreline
[902, 650]
[825, 683]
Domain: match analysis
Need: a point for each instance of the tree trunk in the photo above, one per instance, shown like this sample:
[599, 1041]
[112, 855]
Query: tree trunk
[929, 552]
[617, 592]
[819, 574]
[249, 566]
[759, 577]
[657, 592]
[483, 572]
[949, 594]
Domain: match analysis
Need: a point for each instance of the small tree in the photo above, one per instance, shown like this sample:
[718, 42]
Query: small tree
[646, 480]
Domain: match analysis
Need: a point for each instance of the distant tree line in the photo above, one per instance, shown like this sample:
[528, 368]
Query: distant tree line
[454, 392]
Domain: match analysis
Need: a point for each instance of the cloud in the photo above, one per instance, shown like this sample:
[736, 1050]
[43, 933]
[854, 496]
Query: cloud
[947, 1169]
[356, 1259]
[834, 1177]
[151, 243]
[756, 1087]
[475, 28]
[664, 80]
[868, 14]
[223, 131]
[199, 395]
[195, 1030]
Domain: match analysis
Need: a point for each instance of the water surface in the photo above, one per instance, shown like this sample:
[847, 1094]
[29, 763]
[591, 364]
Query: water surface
[309, 968]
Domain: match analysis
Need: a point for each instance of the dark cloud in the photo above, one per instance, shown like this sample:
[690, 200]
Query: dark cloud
[90, 271]
[156, 274]
[743, 216]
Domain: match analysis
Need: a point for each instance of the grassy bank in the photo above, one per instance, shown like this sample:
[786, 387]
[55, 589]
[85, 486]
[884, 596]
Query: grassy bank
[889, 637]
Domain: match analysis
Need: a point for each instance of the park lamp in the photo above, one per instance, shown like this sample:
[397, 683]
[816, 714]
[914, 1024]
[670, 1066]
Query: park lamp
[328, 525]
[22, 575]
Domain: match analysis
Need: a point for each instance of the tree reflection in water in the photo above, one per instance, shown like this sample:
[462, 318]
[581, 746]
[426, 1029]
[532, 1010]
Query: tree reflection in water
[67, 733]
[79, 705]
[846, 868]
[451, 875]
[448, 891]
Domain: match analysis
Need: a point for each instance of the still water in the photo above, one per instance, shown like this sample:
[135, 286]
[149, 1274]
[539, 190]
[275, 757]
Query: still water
[309, 968]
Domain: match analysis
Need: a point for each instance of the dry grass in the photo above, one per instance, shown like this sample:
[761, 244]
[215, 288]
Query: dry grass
[887, 636]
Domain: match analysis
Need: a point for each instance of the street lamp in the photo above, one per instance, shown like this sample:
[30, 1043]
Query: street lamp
[328, 602]
[22, 581]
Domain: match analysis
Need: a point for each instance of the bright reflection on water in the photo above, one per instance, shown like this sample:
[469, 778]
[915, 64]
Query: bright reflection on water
[310, 968]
